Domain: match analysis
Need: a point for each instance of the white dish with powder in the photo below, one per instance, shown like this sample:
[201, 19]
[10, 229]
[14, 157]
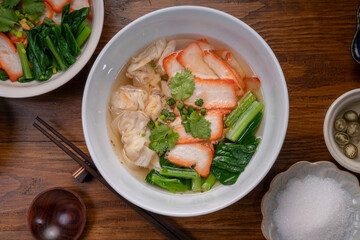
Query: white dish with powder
[312, 201]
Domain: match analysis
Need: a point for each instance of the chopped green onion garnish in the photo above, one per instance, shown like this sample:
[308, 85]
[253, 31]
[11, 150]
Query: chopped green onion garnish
[143, 135]
[165, 112]
[185, 112]
[180, 106]
[31, 17]
[162, 117]
[171, 119]
[19, 34]
[190, 109]
[203, 111]
[171, 114]
[153, 65]
[183, 117]
[156, 124]
[199, 102]
[151, 124]
[171, 102]
[30, 24]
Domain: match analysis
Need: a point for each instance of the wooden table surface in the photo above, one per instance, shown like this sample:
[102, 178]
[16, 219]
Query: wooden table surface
[311, 40]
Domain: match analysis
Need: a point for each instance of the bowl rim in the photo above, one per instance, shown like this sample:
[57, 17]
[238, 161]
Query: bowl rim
[281, 174]
[335, 108]
[285, 108]
[83, 207]
[10, 91]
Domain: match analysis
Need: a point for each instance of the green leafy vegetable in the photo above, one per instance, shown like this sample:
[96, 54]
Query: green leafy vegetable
[181, 173]
[171, 184]
[35, 7]
[24, 61]
[49, 22]
[182, 85]
[8, 19]
[231, 159]
[38, 53]
[199, 126]
[196, 183]
[70, 39]
[63, 45]
[243, 121]
[242, 105]
[209, 182]
[162, 138]
[75, 18]
[57, 55]
[251, 128]
[3, 75]
[83, 35]
[10, 3]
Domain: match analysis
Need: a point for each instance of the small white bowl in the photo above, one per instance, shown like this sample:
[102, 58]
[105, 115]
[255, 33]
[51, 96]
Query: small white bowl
[169, 22]
[301, 170]
[35, 88]
[348, 101]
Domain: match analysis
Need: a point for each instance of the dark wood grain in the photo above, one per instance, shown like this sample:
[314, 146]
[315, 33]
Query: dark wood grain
[57, 213]
[311, 40]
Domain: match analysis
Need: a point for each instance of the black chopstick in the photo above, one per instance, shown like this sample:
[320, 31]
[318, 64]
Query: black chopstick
[70, 144]
[162, 224]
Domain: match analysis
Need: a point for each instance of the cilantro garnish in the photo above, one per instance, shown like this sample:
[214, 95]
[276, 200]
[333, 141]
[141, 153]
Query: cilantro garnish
[7, 19]
[182, 85]
[163, 138]
[10, 3]
[35, 7]
[199, 126]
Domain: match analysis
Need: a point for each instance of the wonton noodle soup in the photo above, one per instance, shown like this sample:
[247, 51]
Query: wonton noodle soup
[169, 113]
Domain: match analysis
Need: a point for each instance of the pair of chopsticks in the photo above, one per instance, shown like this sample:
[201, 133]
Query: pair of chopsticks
[158, 221]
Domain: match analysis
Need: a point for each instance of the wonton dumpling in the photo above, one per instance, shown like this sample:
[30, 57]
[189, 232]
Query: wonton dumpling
[128, 98]
[135, 137]
[153, 106]
[169, 49]
[153, 52]
[146, 78]
[165, 89]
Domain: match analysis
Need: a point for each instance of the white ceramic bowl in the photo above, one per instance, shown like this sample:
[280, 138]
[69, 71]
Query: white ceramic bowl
[301, 170]
[35, 88]
[169, 22]
[347, 101]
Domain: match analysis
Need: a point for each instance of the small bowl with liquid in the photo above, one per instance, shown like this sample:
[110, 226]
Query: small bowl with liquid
[342, 142]
[57, 213]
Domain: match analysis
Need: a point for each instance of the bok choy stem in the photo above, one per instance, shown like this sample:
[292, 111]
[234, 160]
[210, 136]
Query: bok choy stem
[240, 125]
[196, 183]
[209, 182]
[243, 104]
[58, 57]
[24, 61]
[83, 35]
[185, 173]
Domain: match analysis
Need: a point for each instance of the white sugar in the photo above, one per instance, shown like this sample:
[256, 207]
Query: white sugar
[313, 209]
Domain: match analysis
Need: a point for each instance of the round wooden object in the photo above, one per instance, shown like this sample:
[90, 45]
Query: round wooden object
[57, 213]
